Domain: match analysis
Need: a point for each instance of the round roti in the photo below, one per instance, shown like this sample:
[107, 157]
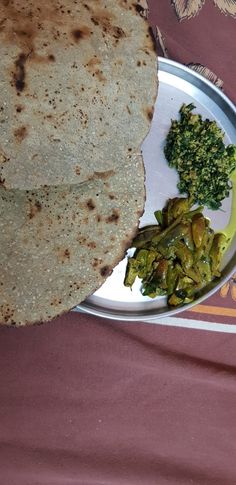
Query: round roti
[61, 243]
[78, 105]
[73, 74]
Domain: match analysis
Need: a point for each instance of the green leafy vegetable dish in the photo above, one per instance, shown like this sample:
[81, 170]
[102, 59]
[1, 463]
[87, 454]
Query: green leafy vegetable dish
[178, 256]
[196, 149]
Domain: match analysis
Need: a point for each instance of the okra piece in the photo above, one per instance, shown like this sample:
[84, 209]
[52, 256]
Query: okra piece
[184, 255]
[145, 236]
[131, 272]
[198, 229]
[216, 252]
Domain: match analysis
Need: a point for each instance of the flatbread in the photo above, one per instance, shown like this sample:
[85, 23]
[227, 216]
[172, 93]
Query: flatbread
[69, 209]
[72, 74]
[60, 243]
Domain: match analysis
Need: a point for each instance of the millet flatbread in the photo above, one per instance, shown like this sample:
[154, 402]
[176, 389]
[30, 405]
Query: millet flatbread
[77, 85]
[78, 82]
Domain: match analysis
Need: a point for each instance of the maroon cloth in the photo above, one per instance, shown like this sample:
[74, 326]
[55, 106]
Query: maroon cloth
[207, 38]
[85, 401]
[91, 402]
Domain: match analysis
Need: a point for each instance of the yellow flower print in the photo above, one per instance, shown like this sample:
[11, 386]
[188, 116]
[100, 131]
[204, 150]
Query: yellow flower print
[186, 9]
[204, 71]
[228, 7]
[229, 286]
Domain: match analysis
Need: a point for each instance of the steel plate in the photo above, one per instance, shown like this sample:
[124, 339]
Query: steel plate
[177, 85]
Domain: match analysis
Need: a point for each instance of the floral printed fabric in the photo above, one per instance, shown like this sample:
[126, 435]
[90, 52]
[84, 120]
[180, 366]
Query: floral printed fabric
[199, 33]
[203, 70]
[229, 289]
[185, 9]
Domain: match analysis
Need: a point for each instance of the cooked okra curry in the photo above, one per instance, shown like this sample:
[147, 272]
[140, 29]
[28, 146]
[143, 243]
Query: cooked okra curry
[178, 256]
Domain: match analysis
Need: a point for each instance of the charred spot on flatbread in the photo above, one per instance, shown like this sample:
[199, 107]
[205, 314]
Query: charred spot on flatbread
[105, 271]
[20, 133]
[91, 204]
[113, 217]
[19, 72]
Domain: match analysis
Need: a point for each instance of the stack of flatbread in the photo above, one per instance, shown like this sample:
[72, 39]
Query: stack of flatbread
[78, 83]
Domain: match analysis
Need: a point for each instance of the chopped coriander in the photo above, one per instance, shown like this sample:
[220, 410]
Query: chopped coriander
[196, 149]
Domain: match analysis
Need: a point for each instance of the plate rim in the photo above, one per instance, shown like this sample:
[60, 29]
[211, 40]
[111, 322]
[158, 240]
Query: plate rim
[154, 314]
[195, 74]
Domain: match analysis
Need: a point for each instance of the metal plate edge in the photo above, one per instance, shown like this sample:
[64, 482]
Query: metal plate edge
[171, 67]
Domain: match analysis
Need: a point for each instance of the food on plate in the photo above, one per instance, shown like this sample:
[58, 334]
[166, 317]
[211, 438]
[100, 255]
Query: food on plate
[79, 81]
[177, 257]
[230, 229]
[195, 147]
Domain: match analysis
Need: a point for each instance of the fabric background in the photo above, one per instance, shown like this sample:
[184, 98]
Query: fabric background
[90, 402]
